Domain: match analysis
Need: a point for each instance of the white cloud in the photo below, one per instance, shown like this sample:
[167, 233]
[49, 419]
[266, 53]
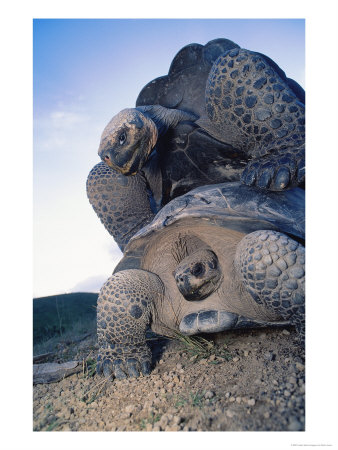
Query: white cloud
[63, 119]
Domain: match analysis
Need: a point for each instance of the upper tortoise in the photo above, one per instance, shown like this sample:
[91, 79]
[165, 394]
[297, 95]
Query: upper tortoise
[221, 114]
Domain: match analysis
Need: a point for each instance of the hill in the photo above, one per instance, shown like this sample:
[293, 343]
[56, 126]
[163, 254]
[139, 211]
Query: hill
[56, 315]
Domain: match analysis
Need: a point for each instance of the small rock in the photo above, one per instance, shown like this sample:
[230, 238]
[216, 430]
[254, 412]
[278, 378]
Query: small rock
[294, 425]
[269, 356]
[209, 394]
[232, 399]
[286, 332]
[203, 361]
[230, 413]
[177, 420]
[266, 415]
[235, 359]
[246, 353]
[129, 409]
[212, 358]
[161, 361]
[227, 395]
[251, 402]
[286, 393]
[300, 366]
[172, 428]
[238, 399]
[179, 366]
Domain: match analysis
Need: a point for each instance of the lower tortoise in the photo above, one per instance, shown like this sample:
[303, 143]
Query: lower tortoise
[220, 257]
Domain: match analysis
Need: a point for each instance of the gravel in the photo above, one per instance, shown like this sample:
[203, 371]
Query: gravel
[246, 392]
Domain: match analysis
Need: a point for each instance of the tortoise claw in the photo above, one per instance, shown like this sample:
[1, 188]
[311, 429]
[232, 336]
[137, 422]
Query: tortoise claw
[120, 369]
[133, 367]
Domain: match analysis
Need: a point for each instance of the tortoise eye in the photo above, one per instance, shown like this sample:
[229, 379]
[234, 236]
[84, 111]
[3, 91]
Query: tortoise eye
[197, 270]
[122, 138]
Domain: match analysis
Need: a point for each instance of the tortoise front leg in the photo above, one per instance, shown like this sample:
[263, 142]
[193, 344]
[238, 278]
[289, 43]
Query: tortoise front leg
[124, 310]
[121, 203]
[271, 266]
[252, 103]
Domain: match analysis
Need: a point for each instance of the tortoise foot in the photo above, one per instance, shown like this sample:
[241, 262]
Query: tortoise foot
[112, 365]
[274, 172]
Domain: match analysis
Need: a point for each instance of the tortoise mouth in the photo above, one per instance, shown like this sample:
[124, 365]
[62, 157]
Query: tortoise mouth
[200, 293]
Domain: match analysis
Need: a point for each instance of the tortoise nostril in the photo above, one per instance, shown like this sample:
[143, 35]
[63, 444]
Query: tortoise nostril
[106, 157]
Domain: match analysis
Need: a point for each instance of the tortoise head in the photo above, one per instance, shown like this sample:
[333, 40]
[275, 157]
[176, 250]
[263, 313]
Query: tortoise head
[198, 275]
[127, 141]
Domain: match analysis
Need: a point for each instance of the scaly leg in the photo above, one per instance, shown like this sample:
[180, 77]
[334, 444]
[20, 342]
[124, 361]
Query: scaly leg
[124, 310]
[271, 266]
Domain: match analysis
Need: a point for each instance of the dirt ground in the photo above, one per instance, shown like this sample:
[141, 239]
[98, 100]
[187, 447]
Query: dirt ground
[245, 381]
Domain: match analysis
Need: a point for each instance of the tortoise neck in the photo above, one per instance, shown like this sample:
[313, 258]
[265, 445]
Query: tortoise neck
[165, 118]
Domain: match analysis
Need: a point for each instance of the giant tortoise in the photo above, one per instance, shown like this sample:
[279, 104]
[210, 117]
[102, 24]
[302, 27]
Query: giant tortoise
[222, 114]
[217, 258]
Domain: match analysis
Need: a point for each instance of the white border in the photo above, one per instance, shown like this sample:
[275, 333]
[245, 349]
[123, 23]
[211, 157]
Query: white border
[321, 86]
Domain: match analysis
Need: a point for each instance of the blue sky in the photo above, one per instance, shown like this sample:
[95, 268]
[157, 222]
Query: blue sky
[84, 72]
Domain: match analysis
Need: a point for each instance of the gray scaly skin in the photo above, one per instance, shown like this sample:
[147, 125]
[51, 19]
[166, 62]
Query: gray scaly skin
[249, 102]
[124, 308]
[268, 276]
[120, 202]
[271, 266]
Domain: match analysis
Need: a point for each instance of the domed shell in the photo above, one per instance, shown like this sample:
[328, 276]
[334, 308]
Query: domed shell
[231, 206]
[235, 206]
[184, 86]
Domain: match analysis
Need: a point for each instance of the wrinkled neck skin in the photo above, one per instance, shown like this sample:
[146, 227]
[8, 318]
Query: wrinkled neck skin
[165, 118]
